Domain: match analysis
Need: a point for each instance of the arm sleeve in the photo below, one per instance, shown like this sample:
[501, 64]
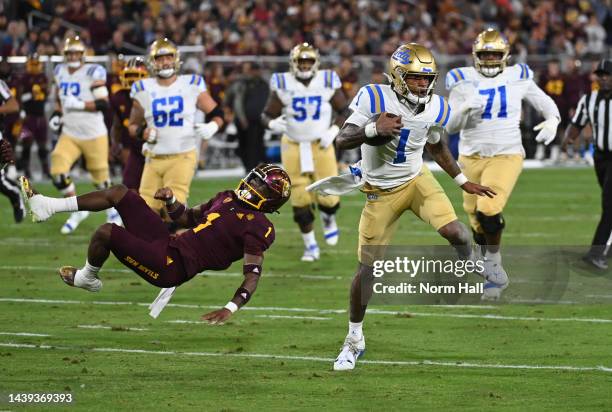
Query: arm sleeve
[364, 106]
[5, 91]
[542, 102]
[581, 116]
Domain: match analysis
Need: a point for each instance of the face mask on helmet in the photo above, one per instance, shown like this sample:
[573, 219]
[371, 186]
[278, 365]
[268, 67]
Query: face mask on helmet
[490, 63]
[134, 70]
[491, 52]
[413, 73]
[163, 59]
[417, 88]
[304, 61]
[266, 188]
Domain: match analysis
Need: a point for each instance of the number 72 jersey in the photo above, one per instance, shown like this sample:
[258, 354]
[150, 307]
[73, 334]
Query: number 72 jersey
[502, 97]
[308, 110]
[171, 110]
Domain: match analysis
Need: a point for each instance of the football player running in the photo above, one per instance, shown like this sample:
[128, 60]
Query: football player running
[230, 226]
[81, 100]
[488, 100]
[300, 107]
[396, 180]
[130, 149]
[163, 115]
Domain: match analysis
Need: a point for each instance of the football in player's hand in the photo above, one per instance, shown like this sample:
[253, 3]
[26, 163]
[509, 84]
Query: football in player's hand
[388, 128]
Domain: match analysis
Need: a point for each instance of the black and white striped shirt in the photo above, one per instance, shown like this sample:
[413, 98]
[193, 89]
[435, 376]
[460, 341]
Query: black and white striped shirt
[595, 108]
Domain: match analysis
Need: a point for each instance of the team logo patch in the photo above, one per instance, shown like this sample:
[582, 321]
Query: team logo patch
[402, 56]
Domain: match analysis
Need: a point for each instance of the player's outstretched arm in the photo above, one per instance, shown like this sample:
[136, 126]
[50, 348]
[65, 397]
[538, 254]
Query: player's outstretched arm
[252, 272]
[442, 156]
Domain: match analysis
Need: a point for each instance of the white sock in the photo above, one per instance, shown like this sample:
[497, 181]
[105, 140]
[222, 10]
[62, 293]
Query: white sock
[494, 257]
[89, 271]
[63, 204]
[309, 238]
[355, 330]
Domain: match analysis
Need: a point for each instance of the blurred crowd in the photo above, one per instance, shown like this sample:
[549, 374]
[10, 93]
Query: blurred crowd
[579, 28]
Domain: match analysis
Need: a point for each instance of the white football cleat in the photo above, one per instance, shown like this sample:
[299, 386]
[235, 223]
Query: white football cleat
[496, 280]
[74, 277]
[349, 353]
[112, 216]
[74, 221]
[330, 229]
[311, 253]
[37, 204]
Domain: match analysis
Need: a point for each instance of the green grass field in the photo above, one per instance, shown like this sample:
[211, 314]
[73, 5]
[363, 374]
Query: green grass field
[277, 353]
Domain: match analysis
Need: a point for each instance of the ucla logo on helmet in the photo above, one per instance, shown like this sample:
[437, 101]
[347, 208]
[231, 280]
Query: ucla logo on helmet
[402, 56]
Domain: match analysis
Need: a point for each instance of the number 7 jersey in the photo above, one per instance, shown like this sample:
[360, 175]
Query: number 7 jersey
[308, 108]
[502, 96]
[171, 110]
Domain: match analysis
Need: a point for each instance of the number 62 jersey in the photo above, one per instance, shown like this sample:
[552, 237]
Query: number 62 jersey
[171, 110]
[502, 96]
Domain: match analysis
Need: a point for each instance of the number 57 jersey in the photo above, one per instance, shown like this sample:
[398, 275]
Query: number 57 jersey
[307, 107]
[502, 96]
[171, 110]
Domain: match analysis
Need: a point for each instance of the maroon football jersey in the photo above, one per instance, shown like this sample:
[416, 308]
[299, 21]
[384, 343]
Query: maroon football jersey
[227, 231]
[121, 105]
[37, 85]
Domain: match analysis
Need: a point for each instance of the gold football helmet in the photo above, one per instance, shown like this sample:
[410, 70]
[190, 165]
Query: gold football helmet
[490, 41]
[135, 69]
[163, 47]
[304, 51]
[410, 60]
[73, 45]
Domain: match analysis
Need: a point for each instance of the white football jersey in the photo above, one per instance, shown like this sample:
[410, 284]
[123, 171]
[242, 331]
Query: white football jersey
[502, 96]
[307, 108]
[80, 124]
[401, 159]
[171, 110]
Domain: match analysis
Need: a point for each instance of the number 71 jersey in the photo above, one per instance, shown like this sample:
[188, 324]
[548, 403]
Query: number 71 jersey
[308, 108]
[502, 97]
[171, 110]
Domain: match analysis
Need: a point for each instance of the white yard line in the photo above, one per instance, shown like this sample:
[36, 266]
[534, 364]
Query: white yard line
[450, 364]
[292, 317]
[320, 311]
[119, 328]
[42, 335]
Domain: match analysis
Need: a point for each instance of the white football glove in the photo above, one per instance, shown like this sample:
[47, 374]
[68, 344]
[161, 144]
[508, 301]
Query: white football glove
[26, 97]
[278, 125]
[548, 131]
[206, 131]
[73, 103]
[471, 112]
[329, 136]
[151, 137]
[55, 122]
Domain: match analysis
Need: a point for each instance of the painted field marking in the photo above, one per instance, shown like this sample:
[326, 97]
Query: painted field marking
[42, 335]
[117, 328]
[451, 364]
[321, 311]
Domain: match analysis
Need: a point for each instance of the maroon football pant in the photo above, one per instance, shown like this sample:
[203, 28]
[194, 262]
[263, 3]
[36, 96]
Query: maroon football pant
[143, 245]
[132, 171]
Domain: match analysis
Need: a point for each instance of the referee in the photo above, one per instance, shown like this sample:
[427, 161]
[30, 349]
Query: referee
[8, 187]
[594, 108]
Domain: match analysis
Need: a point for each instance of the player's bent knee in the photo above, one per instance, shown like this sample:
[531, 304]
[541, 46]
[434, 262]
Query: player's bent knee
[103, 233]
[116, 193]
[491, 224]
[453, 230]
[303, 216]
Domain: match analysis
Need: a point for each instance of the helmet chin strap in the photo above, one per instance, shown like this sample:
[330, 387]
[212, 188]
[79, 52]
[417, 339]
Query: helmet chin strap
[304, 75]
[74, 65]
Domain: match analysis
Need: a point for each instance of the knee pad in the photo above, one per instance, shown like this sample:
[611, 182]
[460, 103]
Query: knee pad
[63, 183]
[491, 224]
[329, 210]
[303, 216]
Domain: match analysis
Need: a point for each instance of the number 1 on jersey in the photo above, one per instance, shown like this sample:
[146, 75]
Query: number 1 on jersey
[490, 93]
[400, 152]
